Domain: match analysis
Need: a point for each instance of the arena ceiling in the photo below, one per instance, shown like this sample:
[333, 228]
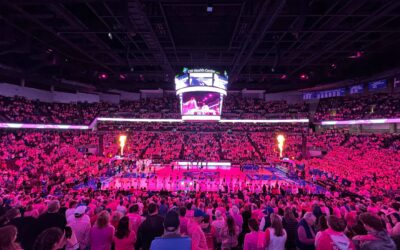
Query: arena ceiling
[132, 44]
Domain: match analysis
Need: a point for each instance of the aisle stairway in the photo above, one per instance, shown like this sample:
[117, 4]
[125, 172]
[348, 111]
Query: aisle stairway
[182, 152]
[148, 145]
[260, 155]
[217, 137]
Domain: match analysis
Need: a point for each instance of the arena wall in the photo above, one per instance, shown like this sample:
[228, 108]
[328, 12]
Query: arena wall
[11, 90]
[289, 97]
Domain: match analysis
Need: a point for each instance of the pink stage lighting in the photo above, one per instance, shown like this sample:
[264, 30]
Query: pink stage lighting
[103, 76]
[303, 76]
[358, 54]
[122, 76]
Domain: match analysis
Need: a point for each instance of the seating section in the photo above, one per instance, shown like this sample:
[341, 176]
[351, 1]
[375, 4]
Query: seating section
[359, 107]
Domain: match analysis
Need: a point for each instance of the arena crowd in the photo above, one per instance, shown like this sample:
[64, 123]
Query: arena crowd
[53, 193]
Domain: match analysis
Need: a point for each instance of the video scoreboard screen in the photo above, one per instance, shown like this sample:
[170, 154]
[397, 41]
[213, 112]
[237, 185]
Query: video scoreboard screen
[201, 93]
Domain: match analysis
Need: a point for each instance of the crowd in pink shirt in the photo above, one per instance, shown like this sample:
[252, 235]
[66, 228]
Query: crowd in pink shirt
[359, 107]
[40, 168]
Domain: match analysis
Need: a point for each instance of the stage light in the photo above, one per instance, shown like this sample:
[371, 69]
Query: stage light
[358, 54]
[103, 76]
[210, 8]
[182, 183]
[122, 140]
[110, 35]
[303, 76]
[122, 76]
[281, 141]
[283, 77]
[333, 66]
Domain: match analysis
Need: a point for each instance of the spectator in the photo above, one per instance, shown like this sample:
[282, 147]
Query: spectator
[254, 240]
[50, 239]
[305, 239]
[377, 237]
[121, 208]
[52, 218]
[218, 224]
[2, 208]
[26, 227]
[8, 237]
[163, 209]
[229, 234]
[124, 238]
[101, 234]
[71, 209]
[289, 223]
[246, 215]
[195, 232]
[393, 218]
[171, 239]
[183, 221]
[333, 238]
[209, 231]
[115, 217]
[322, 223]
[134, 217]
[81, 227]
[237, 217]
[31, 212]
[266, 220]
[275, 236]
[151, 227]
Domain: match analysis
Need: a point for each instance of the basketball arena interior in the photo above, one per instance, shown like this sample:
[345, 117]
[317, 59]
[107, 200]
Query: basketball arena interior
[204, 125]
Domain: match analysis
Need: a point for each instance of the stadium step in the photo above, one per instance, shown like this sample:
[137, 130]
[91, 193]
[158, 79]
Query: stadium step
[255, 147]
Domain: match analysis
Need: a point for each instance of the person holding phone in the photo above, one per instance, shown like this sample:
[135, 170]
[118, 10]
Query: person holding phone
[392, 222]
[70, 239]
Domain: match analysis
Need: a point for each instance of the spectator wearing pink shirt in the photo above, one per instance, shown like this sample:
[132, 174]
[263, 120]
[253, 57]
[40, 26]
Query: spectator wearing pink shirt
[195, 232]
[218, 224]
[333, 238]
[80, 225]
[124, 238]
[134, 217]
[183, 221]
[373, 209]
[30, 211]
[254, 240]
[393, 231]
[101, 234]
[237, 217]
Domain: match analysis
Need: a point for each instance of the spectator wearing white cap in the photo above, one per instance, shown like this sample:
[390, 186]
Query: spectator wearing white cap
[70, 211]
[80, 226]
[82, 212]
